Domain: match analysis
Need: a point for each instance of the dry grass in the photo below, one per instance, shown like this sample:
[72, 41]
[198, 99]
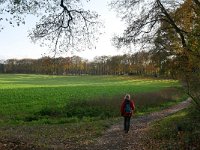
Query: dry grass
[158, 97]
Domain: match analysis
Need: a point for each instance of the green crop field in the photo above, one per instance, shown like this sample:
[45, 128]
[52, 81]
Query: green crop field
[61, 99]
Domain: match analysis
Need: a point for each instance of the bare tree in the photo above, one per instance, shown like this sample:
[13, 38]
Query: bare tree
[64, 25]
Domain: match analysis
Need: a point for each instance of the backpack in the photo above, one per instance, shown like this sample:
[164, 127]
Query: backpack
[127, 107]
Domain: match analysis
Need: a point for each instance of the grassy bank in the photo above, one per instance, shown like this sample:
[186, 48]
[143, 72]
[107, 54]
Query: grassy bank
[179, 131]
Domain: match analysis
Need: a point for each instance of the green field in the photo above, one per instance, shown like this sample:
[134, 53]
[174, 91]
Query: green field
[62, 99]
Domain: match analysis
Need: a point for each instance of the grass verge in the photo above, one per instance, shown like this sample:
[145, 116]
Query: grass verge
[179, 131]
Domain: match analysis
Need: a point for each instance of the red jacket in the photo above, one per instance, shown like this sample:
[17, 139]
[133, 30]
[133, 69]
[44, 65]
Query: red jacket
[123, 113]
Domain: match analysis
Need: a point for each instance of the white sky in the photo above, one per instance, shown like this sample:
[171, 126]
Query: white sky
[14, 42]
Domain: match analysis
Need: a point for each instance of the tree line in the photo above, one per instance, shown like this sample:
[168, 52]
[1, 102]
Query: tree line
[139, 63]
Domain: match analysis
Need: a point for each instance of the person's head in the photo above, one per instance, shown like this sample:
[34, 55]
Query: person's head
[127, 96]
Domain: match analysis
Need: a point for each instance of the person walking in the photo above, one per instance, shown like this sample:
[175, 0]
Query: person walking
[127, 108]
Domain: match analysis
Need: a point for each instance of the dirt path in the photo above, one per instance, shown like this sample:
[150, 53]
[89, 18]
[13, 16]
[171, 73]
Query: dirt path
[113, 139]
[116, 139]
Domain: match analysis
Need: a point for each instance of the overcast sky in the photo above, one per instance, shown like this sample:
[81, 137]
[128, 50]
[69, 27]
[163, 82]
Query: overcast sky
[14, 42]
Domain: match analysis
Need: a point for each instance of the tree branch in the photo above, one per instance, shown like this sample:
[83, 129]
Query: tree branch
[197, 2]
[68, 12]
[172, 22]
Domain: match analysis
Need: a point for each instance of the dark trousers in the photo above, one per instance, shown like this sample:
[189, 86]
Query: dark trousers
[127, 123]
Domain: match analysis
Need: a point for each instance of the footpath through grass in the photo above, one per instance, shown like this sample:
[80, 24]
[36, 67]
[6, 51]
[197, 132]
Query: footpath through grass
[74, 108]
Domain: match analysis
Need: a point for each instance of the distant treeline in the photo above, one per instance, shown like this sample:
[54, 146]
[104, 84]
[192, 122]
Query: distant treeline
[140, 63]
